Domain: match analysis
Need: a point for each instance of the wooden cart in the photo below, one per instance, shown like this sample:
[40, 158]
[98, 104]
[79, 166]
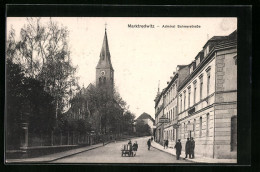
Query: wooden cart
[127, 149]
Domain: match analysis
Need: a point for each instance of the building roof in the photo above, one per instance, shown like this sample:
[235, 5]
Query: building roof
[105, 58]
[221, 41]
[145, 116]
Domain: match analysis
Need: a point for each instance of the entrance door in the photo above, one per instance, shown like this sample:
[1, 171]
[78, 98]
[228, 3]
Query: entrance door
[234, 133]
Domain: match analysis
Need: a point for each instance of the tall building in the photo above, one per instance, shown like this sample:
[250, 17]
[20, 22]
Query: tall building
[104, 69]
[206, 101]
[166, 106]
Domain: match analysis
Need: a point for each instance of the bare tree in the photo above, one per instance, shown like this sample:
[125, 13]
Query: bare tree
[44, 54]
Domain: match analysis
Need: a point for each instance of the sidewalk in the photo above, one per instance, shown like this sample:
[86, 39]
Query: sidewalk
[56, 156]
[60, 155]
[197, 159]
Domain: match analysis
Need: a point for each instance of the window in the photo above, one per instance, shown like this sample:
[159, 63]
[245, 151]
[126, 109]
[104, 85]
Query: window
[188, 130]
[208, 79]
[201, 86]
[206, 51]
[200, 126]
[181, 104]
[189, 98]
[235, 59]
[208, 85]
[195, 90]
[184, 130]
[194, 127]
[173, 115]
[184, 100]
[207, 125]
[234, 133]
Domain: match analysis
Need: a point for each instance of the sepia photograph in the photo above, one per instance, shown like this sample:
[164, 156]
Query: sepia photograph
[124, 90]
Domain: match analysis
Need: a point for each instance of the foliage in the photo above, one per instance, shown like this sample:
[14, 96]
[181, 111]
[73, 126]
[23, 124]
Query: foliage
[43, 54]
[142, 129]
[26, 102]
[128, 122]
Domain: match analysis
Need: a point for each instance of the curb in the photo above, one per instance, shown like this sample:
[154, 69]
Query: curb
[172, 154]
[48, 161]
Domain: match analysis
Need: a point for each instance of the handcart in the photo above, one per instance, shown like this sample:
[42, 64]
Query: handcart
[127, 149]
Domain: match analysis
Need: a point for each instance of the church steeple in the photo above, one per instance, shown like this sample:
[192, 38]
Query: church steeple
[104, 69]
[105, 58]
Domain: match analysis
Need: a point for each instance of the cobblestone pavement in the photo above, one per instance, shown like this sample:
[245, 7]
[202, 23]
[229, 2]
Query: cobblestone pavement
[111, 153]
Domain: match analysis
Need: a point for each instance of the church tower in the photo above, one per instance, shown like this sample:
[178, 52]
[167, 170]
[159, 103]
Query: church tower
[104, 69]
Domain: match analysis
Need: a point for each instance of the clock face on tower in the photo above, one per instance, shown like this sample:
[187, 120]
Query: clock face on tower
[102, 73]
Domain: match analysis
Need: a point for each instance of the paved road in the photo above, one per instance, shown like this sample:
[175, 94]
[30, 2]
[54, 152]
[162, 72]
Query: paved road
[111, 153]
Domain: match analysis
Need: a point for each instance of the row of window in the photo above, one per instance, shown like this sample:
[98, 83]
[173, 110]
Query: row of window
[170, 94]
[184, 98]
[171, 114]
[169, 134]
[186, 133]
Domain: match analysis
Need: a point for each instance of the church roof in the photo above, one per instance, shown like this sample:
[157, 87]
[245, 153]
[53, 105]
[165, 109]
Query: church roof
[145, 116]
[105, 58]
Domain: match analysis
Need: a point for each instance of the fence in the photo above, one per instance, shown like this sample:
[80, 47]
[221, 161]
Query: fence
[68, 138]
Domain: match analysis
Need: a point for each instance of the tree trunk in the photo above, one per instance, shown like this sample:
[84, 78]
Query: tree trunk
[60, 138]
[51, 138]
[68, 137]
[41, 139]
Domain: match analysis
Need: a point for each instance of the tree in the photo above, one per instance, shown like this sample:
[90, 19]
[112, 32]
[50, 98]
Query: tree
[128, 122]
[101, 105]
[43, 54]
[26, 102]
[142, 129]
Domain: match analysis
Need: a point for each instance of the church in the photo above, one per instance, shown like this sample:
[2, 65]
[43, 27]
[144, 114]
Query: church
[81, 105]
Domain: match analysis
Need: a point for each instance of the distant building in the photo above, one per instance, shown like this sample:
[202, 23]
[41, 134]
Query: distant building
[147, 119]
[166, 107]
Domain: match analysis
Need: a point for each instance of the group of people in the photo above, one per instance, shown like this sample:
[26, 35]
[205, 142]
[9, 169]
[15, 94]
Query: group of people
[133, 147]
[189, 148]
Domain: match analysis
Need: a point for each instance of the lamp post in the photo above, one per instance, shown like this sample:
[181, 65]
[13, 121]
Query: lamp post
[24, 136]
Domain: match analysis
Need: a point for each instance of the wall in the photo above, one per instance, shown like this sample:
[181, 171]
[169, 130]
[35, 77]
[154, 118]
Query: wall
[226, 99]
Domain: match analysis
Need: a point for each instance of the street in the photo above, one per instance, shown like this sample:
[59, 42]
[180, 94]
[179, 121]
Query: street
[111, 153]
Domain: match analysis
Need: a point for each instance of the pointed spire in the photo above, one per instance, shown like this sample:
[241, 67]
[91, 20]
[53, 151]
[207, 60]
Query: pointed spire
[105, 61]
[159, 86]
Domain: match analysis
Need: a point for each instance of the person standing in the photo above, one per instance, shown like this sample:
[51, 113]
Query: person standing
[187, 148]
[192, 145]
[149, 144]
[166, 143]
[135, 147]
[178, 148]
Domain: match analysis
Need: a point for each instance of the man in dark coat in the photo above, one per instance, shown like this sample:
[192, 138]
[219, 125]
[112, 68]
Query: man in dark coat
[135, 147]
[178, 148]
[192, 147]
[149, 144]
[166, 143]
[187, 148]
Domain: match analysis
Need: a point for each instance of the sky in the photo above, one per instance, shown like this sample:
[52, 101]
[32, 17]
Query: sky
[143, 58]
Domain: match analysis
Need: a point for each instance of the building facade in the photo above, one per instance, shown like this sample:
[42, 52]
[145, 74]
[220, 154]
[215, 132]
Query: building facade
[159, 108]
[207, 100]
